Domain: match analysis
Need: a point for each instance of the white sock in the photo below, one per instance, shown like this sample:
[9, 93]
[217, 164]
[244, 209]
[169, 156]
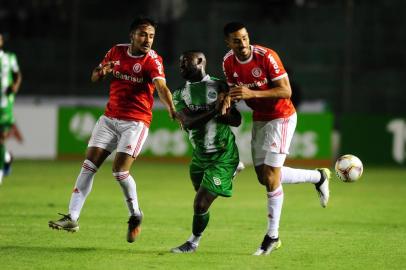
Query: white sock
[129, 188]
[296, 176]
[275, 202]
[194, 239]
[1, 176]
[82, 188]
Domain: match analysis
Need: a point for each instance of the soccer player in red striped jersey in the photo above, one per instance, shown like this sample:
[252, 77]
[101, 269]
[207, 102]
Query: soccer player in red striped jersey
[135, 71]
[256, 75]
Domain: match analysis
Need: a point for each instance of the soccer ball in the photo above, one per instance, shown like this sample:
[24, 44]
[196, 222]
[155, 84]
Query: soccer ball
[348, 168]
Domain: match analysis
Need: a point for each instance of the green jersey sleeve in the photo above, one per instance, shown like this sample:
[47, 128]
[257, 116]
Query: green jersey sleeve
[178, 100]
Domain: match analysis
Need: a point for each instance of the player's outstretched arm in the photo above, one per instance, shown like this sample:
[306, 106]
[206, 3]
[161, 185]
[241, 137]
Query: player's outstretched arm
[17, 79]
[190, 120]
[165, 96]
[100, 72]
[281, 89]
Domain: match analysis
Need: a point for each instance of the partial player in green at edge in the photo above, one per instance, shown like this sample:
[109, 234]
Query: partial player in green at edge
[10, 81]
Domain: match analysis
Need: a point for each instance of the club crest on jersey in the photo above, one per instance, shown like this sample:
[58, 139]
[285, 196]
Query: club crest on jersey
[212, 95]
[256, 72]
[137, 67]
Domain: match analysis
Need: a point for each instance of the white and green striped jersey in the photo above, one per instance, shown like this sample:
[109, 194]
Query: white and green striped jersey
[199, 97]
[8, 66]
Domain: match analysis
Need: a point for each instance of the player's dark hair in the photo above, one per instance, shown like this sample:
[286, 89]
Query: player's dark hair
[192, 52]
[232, 27]
[140, 21]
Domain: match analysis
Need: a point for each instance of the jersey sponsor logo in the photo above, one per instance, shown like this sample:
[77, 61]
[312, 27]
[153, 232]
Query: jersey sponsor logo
[256, 72]
[126, 77]
[274, 64]
[196, 108]
[137, 67]
[217, 181]
[254, 84]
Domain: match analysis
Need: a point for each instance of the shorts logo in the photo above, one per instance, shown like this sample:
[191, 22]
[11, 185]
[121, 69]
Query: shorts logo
[217, 181]
[137, 67]
[129, 147]
[256, 72]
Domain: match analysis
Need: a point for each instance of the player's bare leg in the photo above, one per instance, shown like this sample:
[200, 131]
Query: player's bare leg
[94, 159]
[203, 201]
[121, 172]
[3, 135]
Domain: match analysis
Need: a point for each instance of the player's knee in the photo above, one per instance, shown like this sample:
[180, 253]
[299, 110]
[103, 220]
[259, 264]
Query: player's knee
[200, 206]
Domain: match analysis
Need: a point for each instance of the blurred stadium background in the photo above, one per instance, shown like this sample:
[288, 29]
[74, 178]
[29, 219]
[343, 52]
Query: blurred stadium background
[346, 61]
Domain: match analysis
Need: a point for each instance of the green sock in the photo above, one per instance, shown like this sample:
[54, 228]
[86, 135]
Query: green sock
[200, 222]
[2, 156]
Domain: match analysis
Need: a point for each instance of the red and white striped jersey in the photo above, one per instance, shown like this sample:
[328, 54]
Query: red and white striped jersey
[257, 73]
[131, 87]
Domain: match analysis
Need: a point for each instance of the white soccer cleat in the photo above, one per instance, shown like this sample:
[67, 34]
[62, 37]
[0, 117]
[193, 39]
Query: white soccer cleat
[322, 187]
[268, 245]
[239, 168]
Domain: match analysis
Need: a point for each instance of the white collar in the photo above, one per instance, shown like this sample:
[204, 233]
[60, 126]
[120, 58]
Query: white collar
[205, 79]
[249, 58]
[133, 56]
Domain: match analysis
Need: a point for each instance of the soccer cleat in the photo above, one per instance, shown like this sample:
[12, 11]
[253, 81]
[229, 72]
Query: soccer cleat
[322, 187]
[8, 159]
[65, 223]
[239, 168]
[268, 245]
[134, 228]
[187, 247]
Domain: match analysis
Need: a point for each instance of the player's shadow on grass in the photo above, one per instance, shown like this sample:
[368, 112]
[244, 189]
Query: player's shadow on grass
[42, 249]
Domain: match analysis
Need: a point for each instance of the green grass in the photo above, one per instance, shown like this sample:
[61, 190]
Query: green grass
[364, 226]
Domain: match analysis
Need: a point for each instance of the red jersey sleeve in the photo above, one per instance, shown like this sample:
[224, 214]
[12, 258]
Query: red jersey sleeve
[155, 67]
[274, 65]
[227, 72]
[107, 57]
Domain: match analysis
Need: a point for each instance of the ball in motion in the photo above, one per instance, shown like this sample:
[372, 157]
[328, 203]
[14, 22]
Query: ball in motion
[349, 168]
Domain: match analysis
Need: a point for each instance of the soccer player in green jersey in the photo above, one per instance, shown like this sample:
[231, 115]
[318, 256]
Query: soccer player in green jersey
[10, 81]
[215, 154]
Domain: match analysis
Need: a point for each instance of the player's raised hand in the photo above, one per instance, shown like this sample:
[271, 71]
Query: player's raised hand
[241, 92]
[107, 68]
[224, 103]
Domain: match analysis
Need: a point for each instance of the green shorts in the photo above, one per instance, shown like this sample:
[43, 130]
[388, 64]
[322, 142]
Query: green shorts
[215, 171]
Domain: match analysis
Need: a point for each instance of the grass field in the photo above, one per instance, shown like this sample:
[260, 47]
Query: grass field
[364, 226]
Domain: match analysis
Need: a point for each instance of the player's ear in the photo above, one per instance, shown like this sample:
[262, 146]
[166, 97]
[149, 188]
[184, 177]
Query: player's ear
[131, 34]
[227, 42]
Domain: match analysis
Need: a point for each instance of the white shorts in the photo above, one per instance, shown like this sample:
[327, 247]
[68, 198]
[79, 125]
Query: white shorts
[120, 135]
[271, 140]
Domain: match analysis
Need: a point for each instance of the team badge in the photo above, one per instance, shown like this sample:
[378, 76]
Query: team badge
[137, 67]
[217, 181]
[256, 72]
[212, 95]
